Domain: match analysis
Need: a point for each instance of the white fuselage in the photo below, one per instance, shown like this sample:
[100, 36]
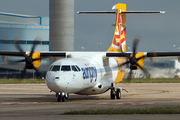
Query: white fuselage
[85, 75]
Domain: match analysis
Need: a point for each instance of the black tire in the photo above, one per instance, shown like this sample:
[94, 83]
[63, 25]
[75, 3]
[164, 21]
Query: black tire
[59, 98]
[62, 98]
[118, 94]
[112, 94]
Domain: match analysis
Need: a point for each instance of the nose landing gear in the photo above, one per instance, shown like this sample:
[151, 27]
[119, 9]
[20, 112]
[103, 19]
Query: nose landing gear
[61, 97]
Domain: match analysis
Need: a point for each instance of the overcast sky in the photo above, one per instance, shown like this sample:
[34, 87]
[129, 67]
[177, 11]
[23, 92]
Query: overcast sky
[158, 32]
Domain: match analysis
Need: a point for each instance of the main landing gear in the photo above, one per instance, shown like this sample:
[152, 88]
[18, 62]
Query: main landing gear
[61, 97]
[116, 93]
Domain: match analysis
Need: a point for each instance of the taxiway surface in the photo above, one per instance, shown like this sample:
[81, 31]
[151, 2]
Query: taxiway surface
[20, 101]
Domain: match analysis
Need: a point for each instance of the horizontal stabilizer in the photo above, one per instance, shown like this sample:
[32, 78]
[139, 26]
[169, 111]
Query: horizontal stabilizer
[143, 12]
[123, 12]
[96, 12]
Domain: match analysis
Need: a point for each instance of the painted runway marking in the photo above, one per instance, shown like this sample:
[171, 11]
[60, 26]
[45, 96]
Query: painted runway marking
[20, 103]
[121, 103]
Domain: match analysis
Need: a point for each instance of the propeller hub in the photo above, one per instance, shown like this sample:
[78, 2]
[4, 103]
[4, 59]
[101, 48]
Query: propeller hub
[29, 60]
[133, 60]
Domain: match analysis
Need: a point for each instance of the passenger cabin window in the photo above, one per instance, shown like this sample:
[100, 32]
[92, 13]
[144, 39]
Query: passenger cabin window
[65, 68]
[74, 68]
[56, 68]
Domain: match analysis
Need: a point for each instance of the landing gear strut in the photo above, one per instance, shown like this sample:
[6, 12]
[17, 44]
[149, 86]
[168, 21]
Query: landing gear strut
[61, 97]
[115, 93]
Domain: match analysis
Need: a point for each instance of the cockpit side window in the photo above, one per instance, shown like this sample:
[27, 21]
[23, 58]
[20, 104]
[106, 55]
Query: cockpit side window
[56, 68]
[50, 68]
[74, 68]
[78, 68]
[65, 68]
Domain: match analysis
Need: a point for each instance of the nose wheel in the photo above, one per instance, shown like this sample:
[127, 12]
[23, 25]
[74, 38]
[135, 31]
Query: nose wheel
[61, 97]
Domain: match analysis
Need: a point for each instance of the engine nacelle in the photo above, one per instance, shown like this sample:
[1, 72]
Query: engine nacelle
[140, 62]
[36, 63]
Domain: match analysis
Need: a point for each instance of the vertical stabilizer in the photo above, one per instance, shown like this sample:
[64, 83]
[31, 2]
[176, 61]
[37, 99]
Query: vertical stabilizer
[119, 38]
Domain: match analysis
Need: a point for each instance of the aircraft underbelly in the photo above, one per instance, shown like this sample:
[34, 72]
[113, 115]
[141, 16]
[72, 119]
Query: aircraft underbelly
[98, 88]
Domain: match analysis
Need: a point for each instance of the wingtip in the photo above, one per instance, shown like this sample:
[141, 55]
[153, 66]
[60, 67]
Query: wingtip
[162, 12]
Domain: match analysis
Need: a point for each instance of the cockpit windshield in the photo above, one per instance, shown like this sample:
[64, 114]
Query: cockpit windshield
[64, 68]
[56, 68]
[74, 68]
[78, 68]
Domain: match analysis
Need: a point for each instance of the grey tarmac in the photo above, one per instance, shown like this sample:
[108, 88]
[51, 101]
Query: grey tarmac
[35, 101]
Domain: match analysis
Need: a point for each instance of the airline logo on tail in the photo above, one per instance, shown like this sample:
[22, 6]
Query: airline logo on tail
[119, 37]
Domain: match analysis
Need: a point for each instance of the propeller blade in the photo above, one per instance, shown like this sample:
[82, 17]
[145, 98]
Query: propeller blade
[33, 47]
[38, 59]
[20, 49]
[124, 63]
[15, 62]
[129, 76]
[136, 40]
[126, 55]
[141, 57]
[35, 42]
[38, 73]
[144, 70]
[23, 72]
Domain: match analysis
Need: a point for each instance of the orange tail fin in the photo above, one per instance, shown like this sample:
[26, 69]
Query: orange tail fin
[119, 38]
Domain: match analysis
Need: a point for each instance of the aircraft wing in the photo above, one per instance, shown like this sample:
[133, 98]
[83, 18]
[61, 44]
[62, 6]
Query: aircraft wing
[11, 53]
[107, 54]
[147, 54]
[42, 54]
[53, 54]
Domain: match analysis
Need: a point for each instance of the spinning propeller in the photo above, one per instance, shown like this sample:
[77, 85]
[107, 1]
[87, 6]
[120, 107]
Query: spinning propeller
[28, 59]
[133, 61]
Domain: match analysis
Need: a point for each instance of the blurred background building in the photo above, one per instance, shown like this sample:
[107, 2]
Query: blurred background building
[26, 29]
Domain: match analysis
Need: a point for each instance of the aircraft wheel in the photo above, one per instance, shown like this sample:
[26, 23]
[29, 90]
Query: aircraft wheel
[59, 98]
[62, 97]
[112, 94]
[118, 94]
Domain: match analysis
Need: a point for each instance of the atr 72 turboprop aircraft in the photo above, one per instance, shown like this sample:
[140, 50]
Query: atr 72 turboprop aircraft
[90, 73]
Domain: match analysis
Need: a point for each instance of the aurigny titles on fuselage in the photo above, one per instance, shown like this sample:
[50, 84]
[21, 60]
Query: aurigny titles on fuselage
[90, 72]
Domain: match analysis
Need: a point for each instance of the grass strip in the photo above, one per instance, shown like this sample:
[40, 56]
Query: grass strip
[22, 81]
[152, 80]
[133, 80]
[153, 110]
